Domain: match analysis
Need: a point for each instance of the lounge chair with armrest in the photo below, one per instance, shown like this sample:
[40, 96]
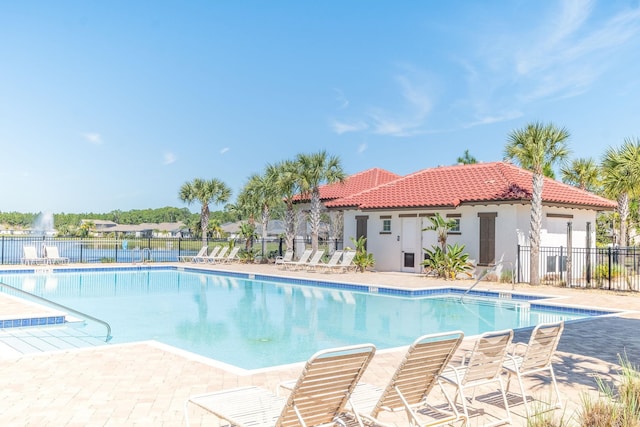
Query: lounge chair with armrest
[320, 396]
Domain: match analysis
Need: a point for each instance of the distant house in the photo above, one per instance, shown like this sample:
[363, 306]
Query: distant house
[489, 201]
[100, 225]
[167, 229]
[163, 229]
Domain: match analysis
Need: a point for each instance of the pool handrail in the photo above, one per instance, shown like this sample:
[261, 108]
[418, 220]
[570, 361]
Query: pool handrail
[62, 307]
[493, 268]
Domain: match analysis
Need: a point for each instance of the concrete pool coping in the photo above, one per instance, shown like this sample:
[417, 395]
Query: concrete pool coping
[147, 383]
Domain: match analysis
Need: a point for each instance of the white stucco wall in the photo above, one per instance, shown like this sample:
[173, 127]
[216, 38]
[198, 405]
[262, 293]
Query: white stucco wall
[512, 228]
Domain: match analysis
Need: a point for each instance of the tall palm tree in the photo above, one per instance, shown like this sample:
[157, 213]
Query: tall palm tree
[261, 193]
[467, 159]
[533, 147]
[583, 173]
[206, 192]
[216, 228]
[621, 178]
[285, 177]
[317, 169]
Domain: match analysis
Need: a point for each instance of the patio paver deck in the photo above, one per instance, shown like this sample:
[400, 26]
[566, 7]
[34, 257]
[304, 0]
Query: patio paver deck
[146, 384]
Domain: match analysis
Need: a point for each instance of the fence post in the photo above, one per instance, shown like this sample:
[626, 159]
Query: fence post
[81, 246]
[518, 263]
[588, 260]
[569, 263]
[560, 264]
[610, 256]
[2, 262]
[116, 257]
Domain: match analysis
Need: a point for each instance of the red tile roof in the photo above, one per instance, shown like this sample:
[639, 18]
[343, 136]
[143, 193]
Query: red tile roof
[353, 184]
[451, 186]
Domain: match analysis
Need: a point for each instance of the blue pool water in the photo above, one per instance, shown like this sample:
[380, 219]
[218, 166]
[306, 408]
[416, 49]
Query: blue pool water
[260, 323]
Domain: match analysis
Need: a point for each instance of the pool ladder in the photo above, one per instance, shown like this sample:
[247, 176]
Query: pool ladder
[142, 251]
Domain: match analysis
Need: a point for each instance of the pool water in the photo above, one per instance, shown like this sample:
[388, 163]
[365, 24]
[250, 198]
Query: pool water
[254, 324]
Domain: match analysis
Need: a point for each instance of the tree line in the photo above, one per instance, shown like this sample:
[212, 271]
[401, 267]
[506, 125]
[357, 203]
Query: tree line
[70, 220]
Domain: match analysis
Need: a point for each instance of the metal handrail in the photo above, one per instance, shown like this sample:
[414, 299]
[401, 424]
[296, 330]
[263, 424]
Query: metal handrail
[62, 307]
[484, 273]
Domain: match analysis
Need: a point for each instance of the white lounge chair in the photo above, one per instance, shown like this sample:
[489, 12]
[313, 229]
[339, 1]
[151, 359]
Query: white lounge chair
[346, 264]
[411, 385]
[31, 256]
[482, 366]
[304, 258]
[320, 396]
[536, 358]
[414, 380]
[212, 259]
[233, 255]
[288, 257]
[188, 258]
[205, 258]
[315, 260]
[333, 261]
[52, 256]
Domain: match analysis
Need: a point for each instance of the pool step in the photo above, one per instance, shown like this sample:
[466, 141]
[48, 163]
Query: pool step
[17, 341]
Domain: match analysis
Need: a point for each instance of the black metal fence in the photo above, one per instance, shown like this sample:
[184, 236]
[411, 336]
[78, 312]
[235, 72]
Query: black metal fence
[134, 250]
[612, 268]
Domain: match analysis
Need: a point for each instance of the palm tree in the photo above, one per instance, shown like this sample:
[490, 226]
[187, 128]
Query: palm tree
[216, 229]
[248, 233]
[441, 226]
[621, 178]
[261, 194]
[285, 178]
[317, 169]
[583, 173]
[467, 159]
[533, 147]
[206, 192]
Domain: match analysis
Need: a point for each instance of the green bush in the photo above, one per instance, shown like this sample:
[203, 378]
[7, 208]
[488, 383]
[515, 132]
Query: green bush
[448, 264]
[362, 260]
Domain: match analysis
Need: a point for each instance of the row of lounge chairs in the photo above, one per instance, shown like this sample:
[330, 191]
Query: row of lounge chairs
[329, 390]
[340, 261]
[218, 255]
[51, 255]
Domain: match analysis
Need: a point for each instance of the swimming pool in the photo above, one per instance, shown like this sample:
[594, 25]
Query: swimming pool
[264, 321]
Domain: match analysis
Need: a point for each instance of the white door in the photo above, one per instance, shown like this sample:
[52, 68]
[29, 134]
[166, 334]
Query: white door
[410, 256]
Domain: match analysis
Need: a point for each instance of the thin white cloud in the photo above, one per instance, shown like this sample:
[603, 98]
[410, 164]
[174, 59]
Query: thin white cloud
[93, 138]
[362, 148]
[562, 52]
[487, 120]
[169, 158]
[407, 118]
[342, 100]
[567, 58]
[415, 110]
[344, 127]
[224, 150]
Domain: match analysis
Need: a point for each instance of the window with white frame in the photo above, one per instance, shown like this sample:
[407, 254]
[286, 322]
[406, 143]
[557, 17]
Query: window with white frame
[455, 219]
[386, 224]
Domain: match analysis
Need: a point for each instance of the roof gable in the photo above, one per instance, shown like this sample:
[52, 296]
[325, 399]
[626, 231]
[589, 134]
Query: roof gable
[353, 184]
[451, 186]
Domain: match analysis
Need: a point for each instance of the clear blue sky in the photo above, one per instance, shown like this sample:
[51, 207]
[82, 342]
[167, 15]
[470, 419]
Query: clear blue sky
[110, 105]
